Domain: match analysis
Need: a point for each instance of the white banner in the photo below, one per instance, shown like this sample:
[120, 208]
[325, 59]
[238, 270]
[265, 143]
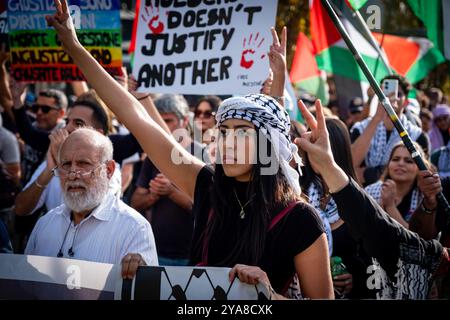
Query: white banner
[203, 47]
[36, 277]
[187, 283]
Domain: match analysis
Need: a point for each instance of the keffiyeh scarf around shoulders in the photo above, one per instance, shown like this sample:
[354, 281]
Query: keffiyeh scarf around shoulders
[374, 190]
[380, 147]
[328, 216]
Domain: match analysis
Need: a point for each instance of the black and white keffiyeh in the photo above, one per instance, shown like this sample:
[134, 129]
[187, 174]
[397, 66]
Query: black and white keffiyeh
[272, 120]
[374, 190]
[444, 161]
[380, 147]
[328, 216]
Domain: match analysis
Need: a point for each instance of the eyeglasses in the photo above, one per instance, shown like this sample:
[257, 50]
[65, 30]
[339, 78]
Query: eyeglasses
[206, 114]
[45, 109]
[62, 171]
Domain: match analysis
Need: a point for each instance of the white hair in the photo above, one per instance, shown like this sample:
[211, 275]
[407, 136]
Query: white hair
[95, 139]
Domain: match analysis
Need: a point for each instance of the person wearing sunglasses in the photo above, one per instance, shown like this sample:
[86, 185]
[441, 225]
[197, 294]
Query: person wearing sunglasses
[204, 116]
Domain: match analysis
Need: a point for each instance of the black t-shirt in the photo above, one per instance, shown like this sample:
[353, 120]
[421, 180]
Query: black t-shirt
[172, 225]
[405, 204]
[290, 236]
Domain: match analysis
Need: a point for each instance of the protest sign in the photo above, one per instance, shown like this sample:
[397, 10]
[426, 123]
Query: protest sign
[36, 53]
[187, 283]
[203, 47]
[34, 277]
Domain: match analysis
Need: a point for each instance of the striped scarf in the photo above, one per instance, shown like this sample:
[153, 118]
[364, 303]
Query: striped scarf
[381, 147]
[328, 216]
[444, 161]
[374, 190]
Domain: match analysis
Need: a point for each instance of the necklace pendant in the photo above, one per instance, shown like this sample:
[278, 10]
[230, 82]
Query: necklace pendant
[242, 214]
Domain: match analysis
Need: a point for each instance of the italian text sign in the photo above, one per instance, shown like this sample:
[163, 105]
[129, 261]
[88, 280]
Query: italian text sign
[36, 53]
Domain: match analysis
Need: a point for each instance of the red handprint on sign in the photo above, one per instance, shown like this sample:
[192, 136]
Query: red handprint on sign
[249, 51]
[154, 24]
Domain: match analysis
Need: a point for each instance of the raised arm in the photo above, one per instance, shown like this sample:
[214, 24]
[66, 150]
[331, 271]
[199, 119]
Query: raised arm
[157, 143]
[34, 137]
[147, 102]
[382, 237]
[32, 197]
[277, 61]
[361, 145]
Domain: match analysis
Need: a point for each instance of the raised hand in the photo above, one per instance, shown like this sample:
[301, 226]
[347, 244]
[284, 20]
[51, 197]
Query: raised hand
[430, 185]
[62, 22]
[315, 142]
[18, 92]
[277, 51]
[57, 137]
[388, 194]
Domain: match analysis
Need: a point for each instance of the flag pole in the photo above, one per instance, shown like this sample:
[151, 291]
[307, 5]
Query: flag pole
[384, 102]
[372, 40]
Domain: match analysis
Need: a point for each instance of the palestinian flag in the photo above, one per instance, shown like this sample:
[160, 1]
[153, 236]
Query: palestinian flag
[356, 4]
[305, 74]
[132, 47]
[435, 16]
[411, 57]
[332, 54]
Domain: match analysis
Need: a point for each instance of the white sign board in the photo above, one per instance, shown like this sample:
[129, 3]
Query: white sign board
[203, 47]
[35, 277]
[187, 283]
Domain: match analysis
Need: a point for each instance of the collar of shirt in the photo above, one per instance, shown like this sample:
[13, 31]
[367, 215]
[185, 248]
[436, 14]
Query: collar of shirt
[102, 212]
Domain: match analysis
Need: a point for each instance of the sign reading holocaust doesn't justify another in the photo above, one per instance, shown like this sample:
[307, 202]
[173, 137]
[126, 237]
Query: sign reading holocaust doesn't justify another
[36, 53]
[203, 47]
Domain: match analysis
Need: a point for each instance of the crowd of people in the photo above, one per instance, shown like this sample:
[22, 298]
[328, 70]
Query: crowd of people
[113, 175]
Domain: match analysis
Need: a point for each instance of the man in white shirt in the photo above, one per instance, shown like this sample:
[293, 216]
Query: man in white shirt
[92, 224]
[43, 187]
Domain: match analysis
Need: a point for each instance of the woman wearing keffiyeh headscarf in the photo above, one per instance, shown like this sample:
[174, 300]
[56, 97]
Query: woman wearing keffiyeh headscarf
[247, 212]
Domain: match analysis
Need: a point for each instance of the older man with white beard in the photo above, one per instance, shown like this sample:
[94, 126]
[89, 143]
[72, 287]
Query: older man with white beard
[92, 224]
